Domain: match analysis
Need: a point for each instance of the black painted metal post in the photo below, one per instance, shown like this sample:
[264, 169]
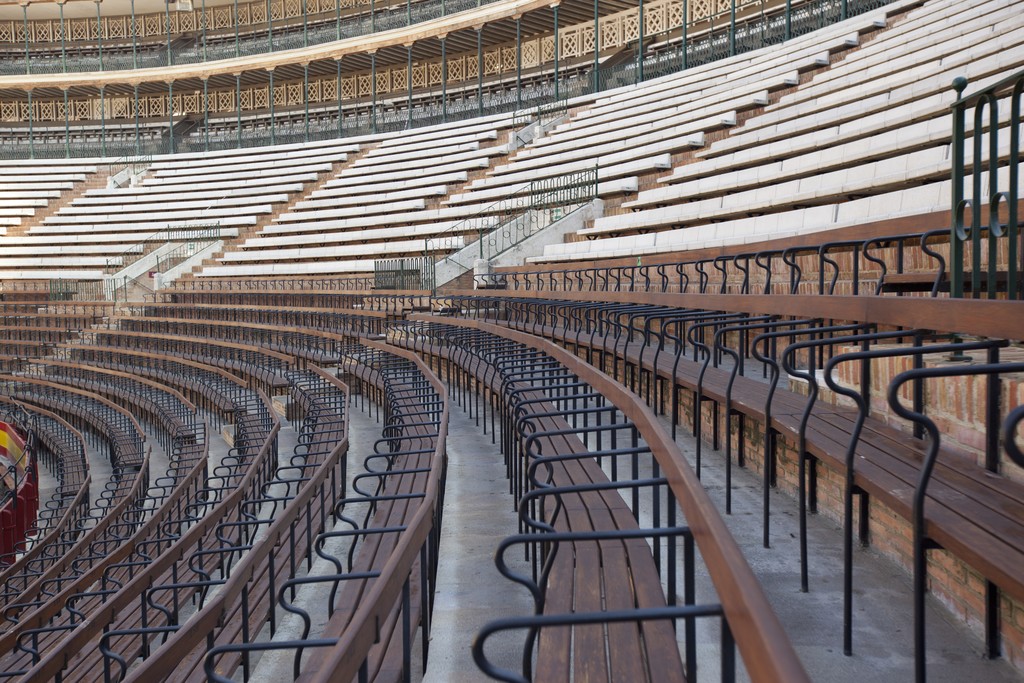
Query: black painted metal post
[958, 232]
[789, 19]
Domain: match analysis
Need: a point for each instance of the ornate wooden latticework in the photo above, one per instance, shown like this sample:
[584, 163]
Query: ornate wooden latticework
[576, 41]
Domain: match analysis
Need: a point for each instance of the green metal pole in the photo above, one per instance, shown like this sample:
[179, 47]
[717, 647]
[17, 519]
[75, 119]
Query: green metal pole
[341, 114]
[556, 50]
[305, 98]
[597, 48]
[845, 11]
[373, 91]
[206, 116]
[99, 35]
[732, 28]
[684, 48]
[444, 79]
[270, 29]
[138, 141]
[408, 81]
[63, 36]
[373, 18]
[408, 12]
[789, 19]
[238, 107]
[103, 122]
[480, 71]
[337, 18]
[24, 15]
[270, 95]
[170, 116]
[305, 25]
[236, 28]
[167, 21]
[519, 62]
[31, 117]
[67, 127]
[135, 39]
[204, 29]
[640, 43]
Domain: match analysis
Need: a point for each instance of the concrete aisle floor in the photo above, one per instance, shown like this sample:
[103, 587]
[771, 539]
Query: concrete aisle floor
[882, 607]
[471, 592]
[478, 513]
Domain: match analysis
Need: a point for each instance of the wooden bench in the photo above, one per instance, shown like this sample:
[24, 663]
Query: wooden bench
[971, 513]
[587, 575]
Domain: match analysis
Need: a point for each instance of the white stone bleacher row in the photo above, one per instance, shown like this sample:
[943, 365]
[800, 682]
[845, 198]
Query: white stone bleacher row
[178, 192]
[857, 164]
[797, 222]
[104, 225]
[668, 115]
[407, 168]
[960, 21]
[892, 134]
[26, 187]
[375, 205]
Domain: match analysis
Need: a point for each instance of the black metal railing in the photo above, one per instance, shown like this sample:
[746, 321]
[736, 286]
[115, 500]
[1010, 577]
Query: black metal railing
[986, 191]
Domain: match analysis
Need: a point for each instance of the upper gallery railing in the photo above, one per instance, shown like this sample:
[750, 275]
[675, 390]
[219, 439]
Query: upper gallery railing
[103, 45]
[654, 54]
[986, 191]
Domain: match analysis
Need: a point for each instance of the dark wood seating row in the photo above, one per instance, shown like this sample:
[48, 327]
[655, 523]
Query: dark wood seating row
[217, 391]
[58, 446]
[165, 507]
[591, 573]
[294, 342]
[160, 589]
[970, 513]
[384, 502]
[28, 594]
[179, 576]
[293, 500]
[391, 303]
[264, 368]
[600, 566]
